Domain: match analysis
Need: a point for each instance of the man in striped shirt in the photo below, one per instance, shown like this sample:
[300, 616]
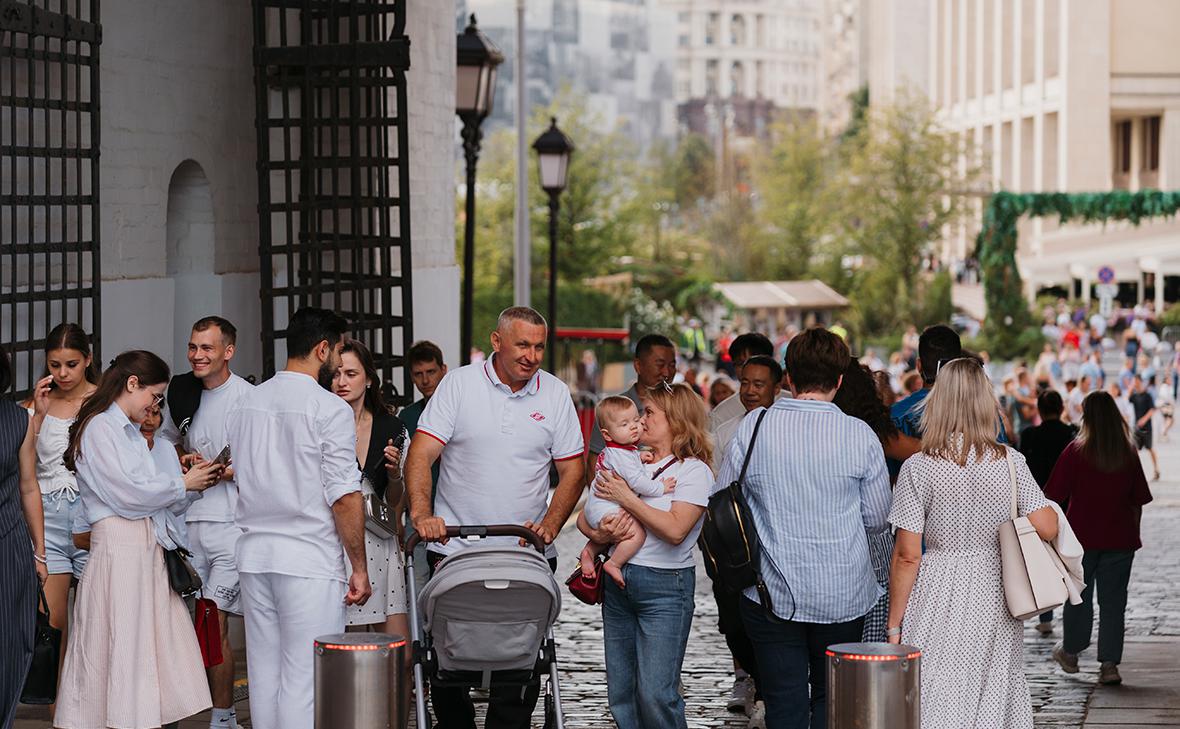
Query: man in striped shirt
[817, 483]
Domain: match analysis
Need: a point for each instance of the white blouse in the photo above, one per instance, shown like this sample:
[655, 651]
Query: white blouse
[52, 475]
[117, 476]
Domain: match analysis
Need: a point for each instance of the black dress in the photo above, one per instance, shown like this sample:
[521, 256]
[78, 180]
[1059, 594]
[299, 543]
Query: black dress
[18, 578]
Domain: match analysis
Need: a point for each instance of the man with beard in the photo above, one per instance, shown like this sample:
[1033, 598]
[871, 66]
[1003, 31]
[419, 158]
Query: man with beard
[498, 426]
[300, 511]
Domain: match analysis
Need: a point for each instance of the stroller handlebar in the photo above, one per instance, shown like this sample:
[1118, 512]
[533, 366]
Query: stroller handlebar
[487, 530]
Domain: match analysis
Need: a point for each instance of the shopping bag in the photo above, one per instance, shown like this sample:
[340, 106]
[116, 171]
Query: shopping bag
[208, 628]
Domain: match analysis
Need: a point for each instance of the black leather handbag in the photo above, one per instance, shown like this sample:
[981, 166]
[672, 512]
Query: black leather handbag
[41, 681]
[733, 552]
[182, 578]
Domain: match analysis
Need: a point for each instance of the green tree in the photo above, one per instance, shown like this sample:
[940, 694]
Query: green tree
[905, 185]
[794, 182]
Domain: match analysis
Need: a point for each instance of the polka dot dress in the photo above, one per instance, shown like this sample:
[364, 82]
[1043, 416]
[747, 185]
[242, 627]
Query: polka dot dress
[972, 649]
[387, 576]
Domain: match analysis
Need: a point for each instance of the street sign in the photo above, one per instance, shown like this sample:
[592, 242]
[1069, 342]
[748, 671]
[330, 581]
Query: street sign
[1107, 290]
[1106, 275]
[1105, 306]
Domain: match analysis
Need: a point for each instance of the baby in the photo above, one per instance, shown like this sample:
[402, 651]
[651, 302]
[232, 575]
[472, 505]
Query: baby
[621, 426]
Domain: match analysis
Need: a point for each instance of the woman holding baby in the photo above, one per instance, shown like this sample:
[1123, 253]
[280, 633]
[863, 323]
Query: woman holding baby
[646, 621]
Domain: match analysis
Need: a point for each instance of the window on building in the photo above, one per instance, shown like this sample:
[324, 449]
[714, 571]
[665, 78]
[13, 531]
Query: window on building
[712, 28]
[683, 16]
[737, 31]
[1151, 143]
[712, 77]
[1122, 136]
[683, 40]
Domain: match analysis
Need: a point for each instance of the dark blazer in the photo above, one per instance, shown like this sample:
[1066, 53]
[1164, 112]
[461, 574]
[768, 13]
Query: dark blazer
[386, 427]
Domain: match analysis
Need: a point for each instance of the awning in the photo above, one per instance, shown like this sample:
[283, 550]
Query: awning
[800, 295]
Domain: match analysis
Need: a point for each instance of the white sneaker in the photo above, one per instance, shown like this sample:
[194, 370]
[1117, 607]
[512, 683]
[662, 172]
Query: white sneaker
[757, 716]
[741, 695]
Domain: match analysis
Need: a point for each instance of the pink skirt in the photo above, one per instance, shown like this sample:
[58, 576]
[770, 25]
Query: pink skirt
[133, 661]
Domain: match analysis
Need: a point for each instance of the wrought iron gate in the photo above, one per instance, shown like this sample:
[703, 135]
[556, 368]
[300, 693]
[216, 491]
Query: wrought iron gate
[333, 180]
[49, 125]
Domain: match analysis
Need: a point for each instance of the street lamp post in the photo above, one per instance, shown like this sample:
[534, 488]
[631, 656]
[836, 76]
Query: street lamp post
[475, 90]
[553, 156]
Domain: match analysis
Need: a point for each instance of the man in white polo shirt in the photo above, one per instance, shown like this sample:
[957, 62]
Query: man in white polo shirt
[498, 425]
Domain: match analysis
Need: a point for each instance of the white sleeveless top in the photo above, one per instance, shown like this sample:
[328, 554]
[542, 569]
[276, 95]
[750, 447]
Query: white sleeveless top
[52, 474]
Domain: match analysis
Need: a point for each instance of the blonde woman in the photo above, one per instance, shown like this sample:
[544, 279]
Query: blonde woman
[949, 602]
[646, 623]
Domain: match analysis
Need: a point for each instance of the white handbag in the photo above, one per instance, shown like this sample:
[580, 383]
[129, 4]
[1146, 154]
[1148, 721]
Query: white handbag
[1033, 583]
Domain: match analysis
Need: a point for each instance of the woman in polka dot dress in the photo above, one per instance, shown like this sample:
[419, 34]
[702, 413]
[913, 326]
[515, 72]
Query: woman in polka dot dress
[949, 601]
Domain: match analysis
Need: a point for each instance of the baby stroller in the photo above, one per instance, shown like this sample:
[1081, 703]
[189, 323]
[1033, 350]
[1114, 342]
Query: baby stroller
[487, 619]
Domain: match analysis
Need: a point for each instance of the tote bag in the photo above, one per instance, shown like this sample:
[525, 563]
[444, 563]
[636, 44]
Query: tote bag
[41, 681]
[1032, 582]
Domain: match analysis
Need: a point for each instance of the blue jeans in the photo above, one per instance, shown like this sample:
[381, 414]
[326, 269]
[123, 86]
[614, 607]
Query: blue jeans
[646, 630]
[790, 660]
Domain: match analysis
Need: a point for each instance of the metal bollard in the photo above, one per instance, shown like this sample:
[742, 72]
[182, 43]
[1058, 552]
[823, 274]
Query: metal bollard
[873, 686]
[358, 681]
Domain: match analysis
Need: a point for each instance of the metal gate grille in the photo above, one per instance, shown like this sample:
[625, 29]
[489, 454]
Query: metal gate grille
[49, 266]
[333, 181]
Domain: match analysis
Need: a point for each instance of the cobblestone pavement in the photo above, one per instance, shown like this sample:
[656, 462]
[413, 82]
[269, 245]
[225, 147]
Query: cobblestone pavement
[1059, 700]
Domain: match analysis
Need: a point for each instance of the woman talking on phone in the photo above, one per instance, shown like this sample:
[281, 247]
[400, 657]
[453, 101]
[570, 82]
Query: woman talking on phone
[54, 405]
[134, 661]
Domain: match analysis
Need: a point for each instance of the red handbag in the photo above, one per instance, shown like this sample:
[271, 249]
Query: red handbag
[587, 589]
[208, 627]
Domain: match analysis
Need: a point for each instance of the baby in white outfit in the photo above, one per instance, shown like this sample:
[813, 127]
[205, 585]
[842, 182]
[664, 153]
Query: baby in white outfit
[621, 426]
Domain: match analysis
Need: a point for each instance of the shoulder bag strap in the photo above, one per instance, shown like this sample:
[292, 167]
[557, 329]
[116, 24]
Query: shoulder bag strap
[1012, 480]
[750, 449]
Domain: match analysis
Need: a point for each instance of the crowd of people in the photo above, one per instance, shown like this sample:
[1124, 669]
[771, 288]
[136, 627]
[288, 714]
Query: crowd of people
[877, 490]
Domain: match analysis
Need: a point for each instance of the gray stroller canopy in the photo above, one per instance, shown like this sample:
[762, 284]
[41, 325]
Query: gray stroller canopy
[488, 607]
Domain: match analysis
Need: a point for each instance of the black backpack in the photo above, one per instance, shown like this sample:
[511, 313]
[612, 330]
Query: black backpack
[733, 552]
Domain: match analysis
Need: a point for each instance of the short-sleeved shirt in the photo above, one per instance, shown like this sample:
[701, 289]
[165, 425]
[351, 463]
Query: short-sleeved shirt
[410, 415]
[1143, 402]
[294, 446]
[694, 482]
[1102, 508]
[206, 436]
[958, 509]
[498, 446]
[1042, 445]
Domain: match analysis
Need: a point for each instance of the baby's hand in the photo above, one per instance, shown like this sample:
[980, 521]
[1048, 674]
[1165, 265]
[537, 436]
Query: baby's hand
[669, 484]
[647, 456]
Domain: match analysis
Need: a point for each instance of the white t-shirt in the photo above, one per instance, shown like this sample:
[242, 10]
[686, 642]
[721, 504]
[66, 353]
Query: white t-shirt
[294, 446]
[498, 446]
[694, 482]
[207, 436]
[1073, 405]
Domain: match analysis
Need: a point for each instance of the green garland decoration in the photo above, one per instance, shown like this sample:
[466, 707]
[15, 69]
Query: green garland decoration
[1008, 312]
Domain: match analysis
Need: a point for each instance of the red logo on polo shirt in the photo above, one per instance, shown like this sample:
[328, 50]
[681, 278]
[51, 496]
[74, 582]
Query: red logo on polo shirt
[537, 416]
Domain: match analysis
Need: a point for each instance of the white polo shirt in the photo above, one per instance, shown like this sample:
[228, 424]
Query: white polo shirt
[499, 445]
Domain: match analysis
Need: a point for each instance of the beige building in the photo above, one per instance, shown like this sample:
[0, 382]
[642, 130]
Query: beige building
[845, 62]
[746, 58]
[1056, 95]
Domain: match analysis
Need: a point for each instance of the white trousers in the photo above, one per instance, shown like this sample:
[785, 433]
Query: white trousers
[284, 615]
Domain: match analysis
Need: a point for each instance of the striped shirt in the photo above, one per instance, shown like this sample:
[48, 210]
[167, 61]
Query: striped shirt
[816, 485]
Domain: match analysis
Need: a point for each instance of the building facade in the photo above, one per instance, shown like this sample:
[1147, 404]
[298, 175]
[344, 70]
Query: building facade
[178, 182]
[741, 60]
[617, 54]
[845, 66]
[1056, 95]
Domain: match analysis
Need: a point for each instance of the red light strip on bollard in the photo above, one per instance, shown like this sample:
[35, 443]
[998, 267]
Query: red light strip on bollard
[369, 647]
[876, 659]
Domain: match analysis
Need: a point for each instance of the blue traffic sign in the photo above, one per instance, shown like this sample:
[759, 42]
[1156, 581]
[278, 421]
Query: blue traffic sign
[1106, 274]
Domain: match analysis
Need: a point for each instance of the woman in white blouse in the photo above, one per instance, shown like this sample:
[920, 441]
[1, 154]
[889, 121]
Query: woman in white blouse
[134, 660]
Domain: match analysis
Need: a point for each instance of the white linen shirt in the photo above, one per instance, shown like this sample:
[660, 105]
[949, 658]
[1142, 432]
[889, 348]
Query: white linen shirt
[207, 436]
[294, 451]
[498, 446]
[117, 476]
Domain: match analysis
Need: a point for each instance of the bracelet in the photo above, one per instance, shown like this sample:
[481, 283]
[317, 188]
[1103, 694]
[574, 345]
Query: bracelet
[890, 632]
[40, 558]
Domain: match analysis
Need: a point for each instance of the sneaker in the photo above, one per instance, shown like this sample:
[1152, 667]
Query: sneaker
[1045, 628]
[757, 716]
[1067, 661]
[741, 695]
[1108, 674]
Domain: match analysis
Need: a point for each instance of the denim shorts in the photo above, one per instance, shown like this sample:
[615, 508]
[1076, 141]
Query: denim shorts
[62, 556]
